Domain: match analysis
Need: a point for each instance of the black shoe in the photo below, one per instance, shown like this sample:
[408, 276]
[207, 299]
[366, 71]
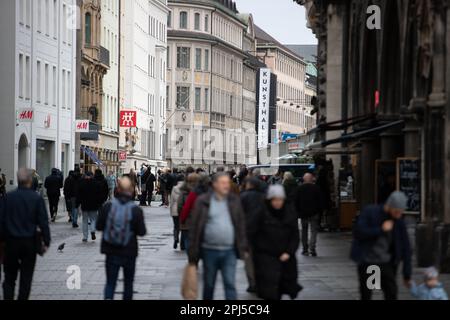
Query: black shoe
[314, 253]
[75, 226]
[251, 290]
[175, 244]
[305, 253]
[84, 240]
[70, 220]
[53, 219]
[93, 236]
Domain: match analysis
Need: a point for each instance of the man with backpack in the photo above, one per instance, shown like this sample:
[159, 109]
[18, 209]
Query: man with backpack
[121, 222]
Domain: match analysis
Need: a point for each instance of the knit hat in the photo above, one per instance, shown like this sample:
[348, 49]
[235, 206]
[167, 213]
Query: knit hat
[397, 200]
[430, 273]
[276, 191]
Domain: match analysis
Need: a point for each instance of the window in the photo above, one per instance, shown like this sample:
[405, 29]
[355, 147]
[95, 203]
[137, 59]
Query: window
[47, 17]
[169, 19]
[168, 97]
[206, 99]
[87, 26]
[55, 18]
[198, 59]
[55, 86]
[183, 98]
[183, 57]
[206, 23]
[21, 76]
[27, 78]
[168, 57]
[38, 82]
[64, 25]
[183, 20]
[197, 21]
[46, 83]
[69, 89]
[198, 101]
[206, 60]
[39, 16]
[22, 12]
[63, 90]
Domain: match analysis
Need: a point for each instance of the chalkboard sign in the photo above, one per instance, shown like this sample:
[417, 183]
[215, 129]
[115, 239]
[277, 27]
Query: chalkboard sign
[385, 174]
[408, 181]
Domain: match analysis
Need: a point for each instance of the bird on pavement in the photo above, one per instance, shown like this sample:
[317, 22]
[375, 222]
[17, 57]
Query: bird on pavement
[61, 247]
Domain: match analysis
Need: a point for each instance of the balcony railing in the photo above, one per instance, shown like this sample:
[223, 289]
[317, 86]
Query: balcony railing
[104, 56]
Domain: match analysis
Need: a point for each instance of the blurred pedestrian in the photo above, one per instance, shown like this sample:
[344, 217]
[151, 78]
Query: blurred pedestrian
[290, 186]
[275, 238]
[2, 184]
[121, 222]
[187, 187]
[144, 176]
[134, 180]
[67, 195]
[200, 188]
[102, 185]
[71, 192]
[308, 202]
[150, 186]
[162, 186]
[53, 184]
[234, 182]
[381, 239]
[176, 192]
[171, 182]
[217, 236]
[24, 227]
[253, 203]
[36, 180]
[277, 178]
[91, 201]
[431, 288]
[112, 184]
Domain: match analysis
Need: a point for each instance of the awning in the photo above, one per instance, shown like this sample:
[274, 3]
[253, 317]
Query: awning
[356, 135]
[92, 155]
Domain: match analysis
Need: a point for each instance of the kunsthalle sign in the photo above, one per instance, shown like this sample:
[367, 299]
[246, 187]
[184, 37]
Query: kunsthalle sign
[264, 108]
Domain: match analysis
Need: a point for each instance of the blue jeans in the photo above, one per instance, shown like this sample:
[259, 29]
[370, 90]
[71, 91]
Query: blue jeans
[113, 265]
[225, 261]
[185, 240]
[89, 221]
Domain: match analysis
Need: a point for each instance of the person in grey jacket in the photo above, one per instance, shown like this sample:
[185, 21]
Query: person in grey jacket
[175, 195]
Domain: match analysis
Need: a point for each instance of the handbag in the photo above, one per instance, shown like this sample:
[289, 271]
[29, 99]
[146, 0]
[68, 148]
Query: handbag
[189, 285]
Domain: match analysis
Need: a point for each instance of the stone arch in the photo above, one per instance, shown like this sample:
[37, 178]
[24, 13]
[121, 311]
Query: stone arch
[23, 156]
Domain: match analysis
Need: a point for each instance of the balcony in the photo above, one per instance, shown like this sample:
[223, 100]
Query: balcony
[104, 57]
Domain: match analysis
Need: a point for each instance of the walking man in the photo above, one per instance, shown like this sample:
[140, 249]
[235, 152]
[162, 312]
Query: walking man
[53, 184]
[217, 235]
[121, 222]
[23, 211]
[150, 186]
[309, 207]
[381, 240]
[91, 200]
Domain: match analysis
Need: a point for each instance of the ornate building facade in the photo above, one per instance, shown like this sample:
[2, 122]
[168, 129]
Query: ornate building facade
[384, 109]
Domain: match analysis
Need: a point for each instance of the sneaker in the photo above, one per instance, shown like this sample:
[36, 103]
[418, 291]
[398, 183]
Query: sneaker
[313, 253]
[84, 240]
[93, 236]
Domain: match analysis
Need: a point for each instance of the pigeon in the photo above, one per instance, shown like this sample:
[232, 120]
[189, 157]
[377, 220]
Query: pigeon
[61, 247]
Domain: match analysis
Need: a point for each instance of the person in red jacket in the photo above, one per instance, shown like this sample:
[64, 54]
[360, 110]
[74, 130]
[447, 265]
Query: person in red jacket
[202, 187]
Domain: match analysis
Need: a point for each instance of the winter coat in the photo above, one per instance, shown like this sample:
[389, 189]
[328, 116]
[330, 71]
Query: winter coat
[272, 234]
[308, 201]
[290, 187]
[103, 189]
[367, 231]
[423, 292]
[200, 217]
[253, 204]
[175, 195]
[150, 182]
[185, 190]
[53, 184]
[137, 227]
[89, 196]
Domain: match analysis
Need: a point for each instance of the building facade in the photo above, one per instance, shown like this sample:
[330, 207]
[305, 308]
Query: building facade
[37, 95]
[143, 81]
[384, 109]
[206, 58]
[293, 111]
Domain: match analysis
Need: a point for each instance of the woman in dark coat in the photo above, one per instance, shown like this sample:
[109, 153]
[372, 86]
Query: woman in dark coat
[275, 239]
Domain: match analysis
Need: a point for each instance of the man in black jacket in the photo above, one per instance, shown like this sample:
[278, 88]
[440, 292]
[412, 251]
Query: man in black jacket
[53, 184]
[91, 200]
[309, 206]
[70, 193]
[121, 222]
[22, 212]
[150, 186]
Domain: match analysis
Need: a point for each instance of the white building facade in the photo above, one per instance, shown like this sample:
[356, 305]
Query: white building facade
[143, 77]
[38, 83]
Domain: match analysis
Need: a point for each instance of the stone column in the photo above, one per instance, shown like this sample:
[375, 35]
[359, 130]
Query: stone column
[369, 153]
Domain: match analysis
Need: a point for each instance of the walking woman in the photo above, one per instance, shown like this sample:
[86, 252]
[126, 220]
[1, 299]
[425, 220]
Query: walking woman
[274, 236]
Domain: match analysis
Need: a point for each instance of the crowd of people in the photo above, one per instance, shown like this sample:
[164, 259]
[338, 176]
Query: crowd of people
[217, 219]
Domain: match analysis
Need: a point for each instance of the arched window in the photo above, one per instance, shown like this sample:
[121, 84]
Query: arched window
[88, 28]
[183, 20]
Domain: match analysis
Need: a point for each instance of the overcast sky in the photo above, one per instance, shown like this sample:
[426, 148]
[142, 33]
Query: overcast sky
[282, 19]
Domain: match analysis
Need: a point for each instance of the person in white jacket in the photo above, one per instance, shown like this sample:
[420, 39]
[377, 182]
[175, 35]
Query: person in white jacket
[176, 192]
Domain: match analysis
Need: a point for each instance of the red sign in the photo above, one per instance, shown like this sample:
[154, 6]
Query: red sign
[82, 126]
[128, 119]
[26, 115]
[123, 156]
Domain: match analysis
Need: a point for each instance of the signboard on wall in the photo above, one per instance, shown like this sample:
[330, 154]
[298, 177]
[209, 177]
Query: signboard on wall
[123, 156]
[128, 119]
[264, 108]
[409, 182]
[26, 115]
[82, 126]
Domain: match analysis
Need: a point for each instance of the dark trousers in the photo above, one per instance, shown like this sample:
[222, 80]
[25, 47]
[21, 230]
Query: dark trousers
[143, 200]
[150, 196]
[387, 281]
[184, 242]
[113, 265]
[53, 205]
[20, 256]
[176, 229]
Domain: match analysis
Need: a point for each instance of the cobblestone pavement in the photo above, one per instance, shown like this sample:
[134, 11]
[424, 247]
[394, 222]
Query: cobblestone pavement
[331, 276]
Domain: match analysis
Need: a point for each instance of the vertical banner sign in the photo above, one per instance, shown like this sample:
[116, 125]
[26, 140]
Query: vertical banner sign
[128, 119]
[264, 108]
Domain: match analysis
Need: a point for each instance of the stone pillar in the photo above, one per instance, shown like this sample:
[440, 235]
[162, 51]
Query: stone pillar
[391, 145]
[369, 153]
